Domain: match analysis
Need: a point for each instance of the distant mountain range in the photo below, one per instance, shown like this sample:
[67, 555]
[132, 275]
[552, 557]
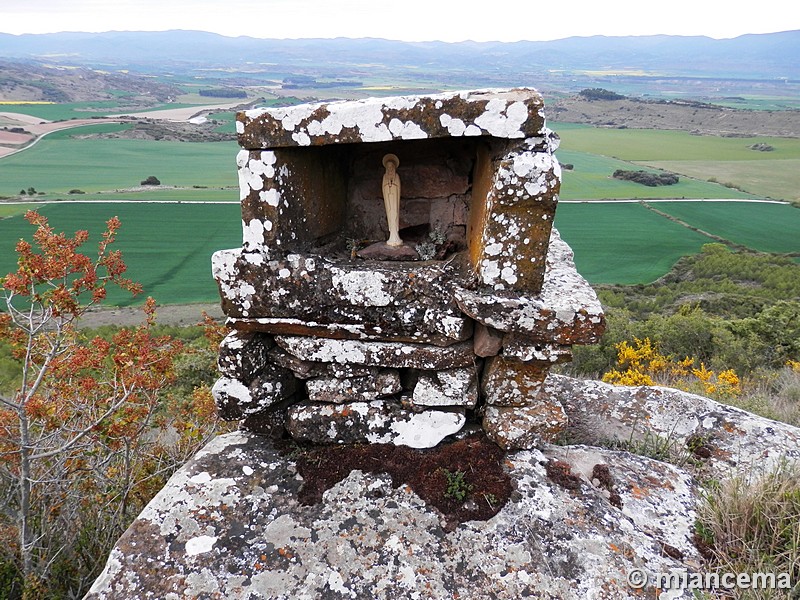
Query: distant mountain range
[646, 65]
[761, 56]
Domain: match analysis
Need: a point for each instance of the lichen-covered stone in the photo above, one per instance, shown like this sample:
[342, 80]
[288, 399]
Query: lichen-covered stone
[231, 397]
[450, 387]
[272, 385]
[522, 348]
[378, 383]
[509, 382]
[312, 295]
[376, 422]
[729, 437]
[243, 355]
[236, 400]
[380, 354]
[512, 218]
[512, 114]
[229, 525]
[565, 312]
[525, 427]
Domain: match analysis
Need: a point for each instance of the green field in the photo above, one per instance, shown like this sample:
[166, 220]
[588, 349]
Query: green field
[56, 166]
[62, 112]
[728, 161]
[590, 179]
[763, 227]
[623, 243]
[644, 145]
[167, 247]
[9, 210]
[775, 179]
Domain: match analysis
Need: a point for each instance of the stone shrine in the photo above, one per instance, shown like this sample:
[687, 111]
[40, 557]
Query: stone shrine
[340, 337]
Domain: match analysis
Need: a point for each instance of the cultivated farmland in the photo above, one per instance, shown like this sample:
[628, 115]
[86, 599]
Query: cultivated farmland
[623, 243]
[167, 247]
[59, 164]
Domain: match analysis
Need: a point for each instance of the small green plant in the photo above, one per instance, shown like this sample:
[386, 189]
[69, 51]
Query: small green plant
[653, 445]
[427, 249]
[457, 488]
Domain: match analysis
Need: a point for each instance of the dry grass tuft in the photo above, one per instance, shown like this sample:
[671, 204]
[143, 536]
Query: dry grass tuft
[752, 524]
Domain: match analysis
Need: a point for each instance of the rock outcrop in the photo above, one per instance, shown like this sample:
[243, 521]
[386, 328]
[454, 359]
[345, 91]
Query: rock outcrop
[579, 519]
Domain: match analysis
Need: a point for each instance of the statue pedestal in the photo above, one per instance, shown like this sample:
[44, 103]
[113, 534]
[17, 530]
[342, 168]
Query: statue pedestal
[383, 251]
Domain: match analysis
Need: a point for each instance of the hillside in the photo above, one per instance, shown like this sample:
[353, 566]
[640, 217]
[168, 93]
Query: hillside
[32, 82]
[695, 117]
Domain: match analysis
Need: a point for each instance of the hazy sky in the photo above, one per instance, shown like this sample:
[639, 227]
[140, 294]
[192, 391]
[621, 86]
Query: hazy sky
[412, 20]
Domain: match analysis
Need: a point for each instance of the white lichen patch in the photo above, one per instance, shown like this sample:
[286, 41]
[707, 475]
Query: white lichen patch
[253, 234]
[362, 288]
[271, 196]
[426, 429]
[200, 544]
[406, 131]
[365, 116]
[502, 119]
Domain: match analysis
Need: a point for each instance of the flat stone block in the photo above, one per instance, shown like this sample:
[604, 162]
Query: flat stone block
[508, 382]
[302, 369]
[512, 114]
[380, 354]
[566, 311]
[452, 387]
[382, 251]
[376, 422]
[526, 427]
[312, 295]
[378, 384]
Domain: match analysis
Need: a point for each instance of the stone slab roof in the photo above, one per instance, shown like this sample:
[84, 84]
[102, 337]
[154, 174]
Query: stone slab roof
[510, 114]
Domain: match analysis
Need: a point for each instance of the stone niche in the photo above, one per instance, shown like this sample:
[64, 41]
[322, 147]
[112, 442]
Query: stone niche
[336, 342]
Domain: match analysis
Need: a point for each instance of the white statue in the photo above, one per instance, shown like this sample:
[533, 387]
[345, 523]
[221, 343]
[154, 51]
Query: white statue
[391, 198]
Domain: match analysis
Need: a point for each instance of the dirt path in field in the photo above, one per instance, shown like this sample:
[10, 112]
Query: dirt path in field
[180, 114]
[173, 314]
[37, 128]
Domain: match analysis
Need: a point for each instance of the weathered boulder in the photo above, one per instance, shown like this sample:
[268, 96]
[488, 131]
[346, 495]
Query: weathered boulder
[723, 436]
[229, 525]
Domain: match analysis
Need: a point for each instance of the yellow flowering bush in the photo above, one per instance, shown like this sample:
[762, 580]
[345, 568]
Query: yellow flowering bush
[641, 363]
